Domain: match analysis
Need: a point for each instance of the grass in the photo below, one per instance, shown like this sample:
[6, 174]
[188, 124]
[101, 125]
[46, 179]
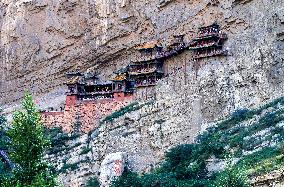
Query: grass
[266, 160]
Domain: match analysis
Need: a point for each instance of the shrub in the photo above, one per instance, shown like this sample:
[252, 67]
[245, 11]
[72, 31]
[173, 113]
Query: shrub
[236, 117]
[231, 177]
[159, 180]
[93, 182]
[127, 109]
[240, 114]
[128, 179]
[179, 154]
[85, 150]
[185, 161]
[58, 137]
[70, 167]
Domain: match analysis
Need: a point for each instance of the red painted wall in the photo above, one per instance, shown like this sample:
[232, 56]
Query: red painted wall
[87, 113]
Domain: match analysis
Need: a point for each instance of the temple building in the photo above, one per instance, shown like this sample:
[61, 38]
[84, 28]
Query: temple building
[149, 51]
[87, 87]
[146, 73]
[149, 69]
[209, 42]
[176, 46]
[121, 85]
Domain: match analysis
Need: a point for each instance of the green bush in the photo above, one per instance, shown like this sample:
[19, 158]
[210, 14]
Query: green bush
[240, 115]
[93, 182]
[231, 177]
[236, 117]
[58, 137]
[70, 167]
[85, 150]
[185, 161]
[159, 180]
[212, 142]
[128, 179]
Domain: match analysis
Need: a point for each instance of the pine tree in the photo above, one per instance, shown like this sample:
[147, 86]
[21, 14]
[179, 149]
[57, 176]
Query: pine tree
[28, 143]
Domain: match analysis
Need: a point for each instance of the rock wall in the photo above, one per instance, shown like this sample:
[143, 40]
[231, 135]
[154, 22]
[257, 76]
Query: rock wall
[42, 39]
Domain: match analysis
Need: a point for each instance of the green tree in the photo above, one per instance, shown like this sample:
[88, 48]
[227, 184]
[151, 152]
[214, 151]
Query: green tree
[3, 137]
[5, 165]
[28, 143]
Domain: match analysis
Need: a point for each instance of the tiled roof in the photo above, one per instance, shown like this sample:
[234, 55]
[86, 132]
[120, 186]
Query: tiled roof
[149, 45]
[119, 77]
[73, 80]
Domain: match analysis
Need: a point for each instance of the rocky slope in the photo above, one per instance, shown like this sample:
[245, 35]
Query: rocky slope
[143, 135]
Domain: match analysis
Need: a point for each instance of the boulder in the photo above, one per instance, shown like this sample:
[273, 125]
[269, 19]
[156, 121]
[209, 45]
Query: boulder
[112, 167]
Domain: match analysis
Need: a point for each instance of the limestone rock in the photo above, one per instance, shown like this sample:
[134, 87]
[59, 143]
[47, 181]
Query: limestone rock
[41, 40]
[112, 166]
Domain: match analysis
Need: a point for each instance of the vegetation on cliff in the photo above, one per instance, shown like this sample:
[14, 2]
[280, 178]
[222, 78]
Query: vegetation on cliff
[124, 110]
[249, 143]
[26, 148]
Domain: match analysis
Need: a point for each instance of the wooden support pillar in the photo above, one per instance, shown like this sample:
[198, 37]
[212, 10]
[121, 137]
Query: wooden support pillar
[185, 77]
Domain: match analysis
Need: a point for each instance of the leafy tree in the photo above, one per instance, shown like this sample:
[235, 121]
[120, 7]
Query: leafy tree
[28, 144]
[5, 165]
[3, 137]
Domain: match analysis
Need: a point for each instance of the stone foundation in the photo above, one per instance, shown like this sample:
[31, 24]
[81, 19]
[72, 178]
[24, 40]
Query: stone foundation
[83, 116]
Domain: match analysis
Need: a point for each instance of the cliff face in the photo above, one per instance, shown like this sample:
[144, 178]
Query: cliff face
[41, 40]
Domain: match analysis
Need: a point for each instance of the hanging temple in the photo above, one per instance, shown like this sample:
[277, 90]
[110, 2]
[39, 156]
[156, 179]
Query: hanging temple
[106, 97]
